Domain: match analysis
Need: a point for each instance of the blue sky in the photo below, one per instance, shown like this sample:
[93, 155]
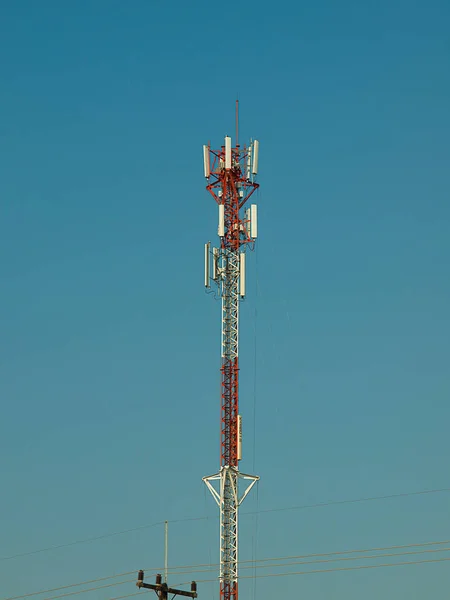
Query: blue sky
[109, 351]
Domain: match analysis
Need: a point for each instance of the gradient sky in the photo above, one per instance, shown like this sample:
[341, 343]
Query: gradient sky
[109, 348]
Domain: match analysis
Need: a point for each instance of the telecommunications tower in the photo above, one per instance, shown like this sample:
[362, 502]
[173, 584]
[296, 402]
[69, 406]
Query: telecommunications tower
[230, 173]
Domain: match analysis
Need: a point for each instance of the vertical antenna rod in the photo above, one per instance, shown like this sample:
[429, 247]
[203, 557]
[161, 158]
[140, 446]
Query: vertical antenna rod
[237, 123]
[166, 550]
[230, 173]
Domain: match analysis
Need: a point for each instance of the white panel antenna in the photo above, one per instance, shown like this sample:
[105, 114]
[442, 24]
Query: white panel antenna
[253, 221]
[221, 228]
[227, 153]
[249, 162]
[206, 161]
[207, 266]
[215, 266]
[239, 437]
[255, 157]
[242, 275]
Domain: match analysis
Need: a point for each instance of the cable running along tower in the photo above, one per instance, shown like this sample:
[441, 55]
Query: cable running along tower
[230, 173]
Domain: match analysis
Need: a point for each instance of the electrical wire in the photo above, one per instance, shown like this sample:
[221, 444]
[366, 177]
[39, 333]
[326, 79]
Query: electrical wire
[71, 585]
[84, 541]
[263, 511]
[357, 551]
[127, 596]
[316, 571]
[265, 575]
[191, 569]
[347, 558]
[255, 354]
[298, 573]
[255, 379]
[175, 570]
[208, 523]
[353, 501]
[357, 568]
[320, 561]
[93, 589]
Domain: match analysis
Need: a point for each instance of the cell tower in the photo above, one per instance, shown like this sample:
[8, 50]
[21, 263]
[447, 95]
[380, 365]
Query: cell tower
[230, 173]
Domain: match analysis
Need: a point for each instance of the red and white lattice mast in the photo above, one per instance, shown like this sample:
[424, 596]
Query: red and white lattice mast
[231, 173]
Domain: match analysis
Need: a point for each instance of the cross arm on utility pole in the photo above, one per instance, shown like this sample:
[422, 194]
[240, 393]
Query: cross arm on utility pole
[192, 594]
[162, 589]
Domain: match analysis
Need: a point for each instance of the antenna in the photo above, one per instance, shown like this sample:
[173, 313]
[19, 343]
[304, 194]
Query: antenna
[227, 153]
[206, 161]
[207, 268]
[255, 157]
[254, 221]
[237, 123]
[239, 452]
[215, 264]
[242, 275]
[221, 228]
[249, 161]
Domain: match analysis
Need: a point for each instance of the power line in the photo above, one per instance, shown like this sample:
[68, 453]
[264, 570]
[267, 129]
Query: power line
[84, 541]
[322, 554]
[347, 558]
[127, 596]
[71, 585]
[310, 562]
[357, 551]
[357, 568]
[328, 560]
[189, 569]
[99, 587]
[298, 573]
[263, 511]
[355, 501]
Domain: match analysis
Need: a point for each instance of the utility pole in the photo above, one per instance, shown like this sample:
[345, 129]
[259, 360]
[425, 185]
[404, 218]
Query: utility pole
[166, 550]
[162, 589]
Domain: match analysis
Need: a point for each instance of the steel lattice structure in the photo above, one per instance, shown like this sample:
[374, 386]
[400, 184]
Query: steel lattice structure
[230, 173]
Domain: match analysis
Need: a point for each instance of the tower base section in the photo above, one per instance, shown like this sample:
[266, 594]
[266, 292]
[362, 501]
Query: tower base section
[224, 488]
